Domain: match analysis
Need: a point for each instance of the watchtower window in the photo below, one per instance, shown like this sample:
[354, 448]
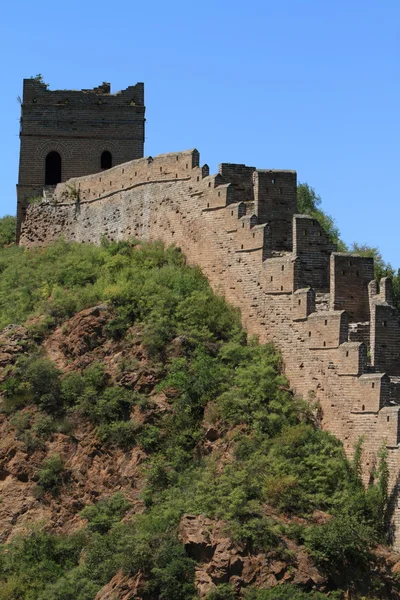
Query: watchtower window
[106, 160]
[53, 169]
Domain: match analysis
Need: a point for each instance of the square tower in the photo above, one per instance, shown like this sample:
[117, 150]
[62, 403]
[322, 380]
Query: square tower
[71, 133]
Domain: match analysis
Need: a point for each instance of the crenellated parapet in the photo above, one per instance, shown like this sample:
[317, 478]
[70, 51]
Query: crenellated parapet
[162, 168]
[337, 328]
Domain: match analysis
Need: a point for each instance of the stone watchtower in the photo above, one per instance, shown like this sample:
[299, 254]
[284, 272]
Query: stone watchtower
[70, 133]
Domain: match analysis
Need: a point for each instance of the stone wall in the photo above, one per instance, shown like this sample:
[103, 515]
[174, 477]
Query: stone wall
[337, 331]
[79, 125]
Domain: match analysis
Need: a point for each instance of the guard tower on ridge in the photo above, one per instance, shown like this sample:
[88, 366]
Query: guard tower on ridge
[71, 133]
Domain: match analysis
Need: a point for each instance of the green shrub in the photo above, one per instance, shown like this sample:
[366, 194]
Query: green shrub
[222, 592]
[149, 438]
[8, 225]
[74, 586]
[122, 434]
[30, 563]
[117, 328]
[17, 393]
[103, 515]
[72, 387]
[50, 476]
[159, 473]
[112, 404]
[44, 426]
[257, 532]
[40, 377]
[32, 443]
[172, 575]
[95, 376]
[21, 421]
[343, 541]
[289, 592]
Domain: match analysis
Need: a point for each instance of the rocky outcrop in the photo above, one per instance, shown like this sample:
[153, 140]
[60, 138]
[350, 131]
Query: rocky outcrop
[219, 560]
[124, 587]
[13, 340]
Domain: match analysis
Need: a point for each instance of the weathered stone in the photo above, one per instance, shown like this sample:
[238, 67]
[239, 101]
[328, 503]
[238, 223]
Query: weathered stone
[338, 333]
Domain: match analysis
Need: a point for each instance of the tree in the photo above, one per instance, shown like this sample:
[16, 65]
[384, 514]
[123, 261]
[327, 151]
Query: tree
[381, 268]
[308, 202]
[7, 230]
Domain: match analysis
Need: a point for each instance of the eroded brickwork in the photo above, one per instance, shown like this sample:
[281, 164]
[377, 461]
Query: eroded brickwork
[336, 329]
[79, 126]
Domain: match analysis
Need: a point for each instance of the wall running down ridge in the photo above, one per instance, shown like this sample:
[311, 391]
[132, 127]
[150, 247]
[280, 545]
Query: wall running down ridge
[335, 326]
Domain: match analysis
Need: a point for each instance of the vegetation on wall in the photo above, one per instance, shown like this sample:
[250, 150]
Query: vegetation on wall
[277, 456]
[308, 203]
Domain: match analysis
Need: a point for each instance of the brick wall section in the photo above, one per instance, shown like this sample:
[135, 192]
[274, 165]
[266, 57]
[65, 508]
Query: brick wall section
[241, 178]
[327, 329]
[275, 204]
[349, 278]
[180, 204]
[79, 125]
[303, 303]
[385, 336]
[313, 247]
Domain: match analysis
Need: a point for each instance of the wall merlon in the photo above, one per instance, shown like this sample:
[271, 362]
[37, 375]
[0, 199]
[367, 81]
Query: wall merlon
[373, 393]
[326, 330]
[385, 338]
[386, 291]
[309, 237]
[241, 177]
[388, 425]
[275, 203]
[205, 171]
[249, 236]
[279, 274]
[212, 181]
[352, 358]
[350, 275]
[235, 211]
[220, 196]
[313, 247]
[303, 303]
[395, 390]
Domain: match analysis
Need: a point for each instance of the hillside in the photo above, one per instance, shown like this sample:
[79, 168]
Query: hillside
[149, 449]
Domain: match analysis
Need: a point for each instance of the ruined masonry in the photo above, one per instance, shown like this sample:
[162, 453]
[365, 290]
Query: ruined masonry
[335, 326]
[70, 133]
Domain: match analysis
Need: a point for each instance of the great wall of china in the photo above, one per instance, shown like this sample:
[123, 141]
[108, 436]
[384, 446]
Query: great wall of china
[335, 326]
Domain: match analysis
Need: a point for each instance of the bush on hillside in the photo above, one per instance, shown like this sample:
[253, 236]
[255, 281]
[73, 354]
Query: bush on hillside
[205, 366]
[8, 226]
[50, 475]
[103, 515]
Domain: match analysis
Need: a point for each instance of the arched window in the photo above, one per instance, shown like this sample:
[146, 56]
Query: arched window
[53, 169]
[106, 160]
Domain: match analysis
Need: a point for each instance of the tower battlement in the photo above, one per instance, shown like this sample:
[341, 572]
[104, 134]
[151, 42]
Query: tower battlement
[70, 133]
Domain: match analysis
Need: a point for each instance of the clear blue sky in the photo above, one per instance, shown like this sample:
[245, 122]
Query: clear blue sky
[295, 84]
